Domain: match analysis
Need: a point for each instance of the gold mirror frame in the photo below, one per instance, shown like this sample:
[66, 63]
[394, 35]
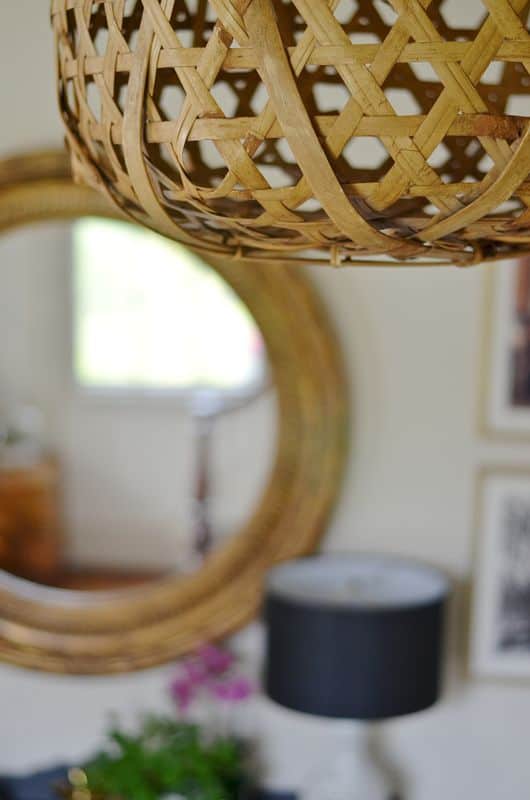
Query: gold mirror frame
[106, 632]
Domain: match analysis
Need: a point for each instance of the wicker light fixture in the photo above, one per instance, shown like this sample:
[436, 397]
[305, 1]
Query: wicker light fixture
[359, 131]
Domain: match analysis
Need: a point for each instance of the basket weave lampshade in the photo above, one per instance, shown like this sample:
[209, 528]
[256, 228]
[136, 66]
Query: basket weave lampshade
[351, 131]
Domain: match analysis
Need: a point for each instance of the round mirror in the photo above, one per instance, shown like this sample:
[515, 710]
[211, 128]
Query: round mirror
[170, 427]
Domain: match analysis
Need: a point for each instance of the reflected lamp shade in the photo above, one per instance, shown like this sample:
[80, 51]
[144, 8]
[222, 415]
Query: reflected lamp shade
[352, 132]
[358, 637]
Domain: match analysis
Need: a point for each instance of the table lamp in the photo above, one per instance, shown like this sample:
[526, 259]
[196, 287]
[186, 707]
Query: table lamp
[356, 637]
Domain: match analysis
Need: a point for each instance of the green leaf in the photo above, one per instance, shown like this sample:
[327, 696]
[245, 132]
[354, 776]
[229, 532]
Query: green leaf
[166, 757]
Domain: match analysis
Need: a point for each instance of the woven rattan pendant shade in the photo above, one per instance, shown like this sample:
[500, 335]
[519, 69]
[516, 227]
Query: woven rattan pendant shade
[357, 131]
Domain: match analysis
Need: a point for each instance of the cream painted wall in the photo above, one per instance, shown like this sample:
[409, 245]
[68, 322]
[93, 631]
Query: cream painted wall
[411, 342]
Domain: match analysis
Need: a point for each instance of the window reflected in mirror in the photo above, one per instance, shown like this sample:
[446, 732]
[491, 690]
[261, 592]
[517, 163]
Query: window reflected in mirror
[151, 315]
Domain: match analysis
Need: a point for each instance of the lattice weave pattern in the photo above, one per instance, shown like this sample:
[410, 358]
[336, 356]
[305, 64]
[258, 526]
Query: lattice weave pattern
[351, 131]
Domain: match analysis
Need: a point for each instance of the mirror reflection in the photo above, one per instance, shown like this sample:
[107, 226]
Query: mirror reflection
[137, 419]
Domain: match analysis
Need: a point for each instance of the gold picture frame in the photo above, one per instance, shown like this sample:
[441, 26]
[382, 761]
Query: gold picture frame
[91, 633]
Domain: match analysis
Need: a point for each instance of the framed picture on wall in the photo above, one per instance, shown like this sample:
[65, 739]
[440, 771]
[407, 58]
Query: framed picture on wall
[506, 405]
[500, 629]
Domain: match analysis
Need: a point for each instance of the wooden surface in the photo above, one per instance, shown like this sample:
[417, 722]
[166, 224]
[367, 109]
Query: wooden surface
[241, 128]
[96, 578]
[98, 632]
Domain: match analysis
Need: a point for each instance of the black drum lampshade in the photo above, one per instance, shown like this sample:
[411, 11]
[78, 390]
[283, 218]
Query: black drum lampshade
[355, 636]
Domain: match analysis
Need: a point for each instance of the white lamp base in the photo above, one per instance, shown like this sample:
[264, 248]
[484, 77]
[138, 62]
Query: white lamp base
[353, 774]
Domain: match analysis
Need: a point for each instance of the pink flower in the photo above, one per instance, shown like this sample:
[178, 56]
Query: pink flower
[210, 671]
[216, 660]
[196, 671]
[233, 690]
[183, 692]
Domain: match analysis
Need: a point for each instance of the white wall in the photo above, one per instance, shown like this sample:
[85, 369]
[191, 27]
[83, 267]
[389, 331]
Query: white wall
[411, 341]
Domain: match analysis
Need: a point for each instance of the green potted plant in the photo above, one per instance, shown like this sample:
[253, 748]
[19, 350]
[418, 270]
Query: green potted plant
[174, 757]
